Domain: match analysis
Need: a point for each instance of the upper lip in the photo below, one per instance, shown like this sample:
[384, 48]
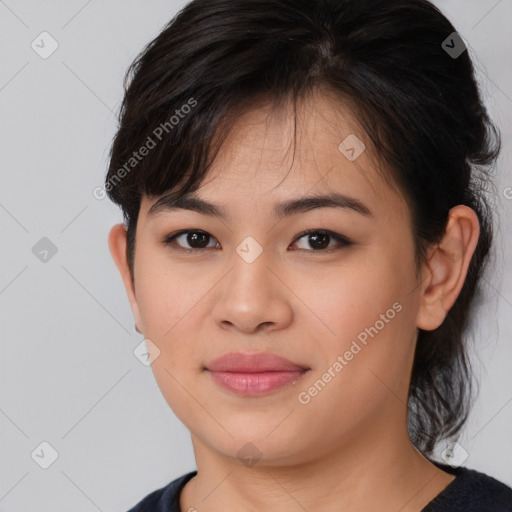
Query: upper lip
[243, 362]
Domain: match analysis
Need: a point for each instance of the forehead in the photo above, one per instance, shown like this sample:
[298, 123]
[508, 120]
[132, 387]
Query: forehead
[273, 155]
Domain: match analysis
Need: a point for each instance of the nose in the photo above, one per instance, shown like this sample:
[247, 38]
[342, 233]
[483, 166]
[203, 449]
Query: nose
[254, 296]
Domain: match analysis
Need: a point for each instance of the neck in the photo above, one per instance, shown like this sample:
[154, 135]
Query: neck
[377, 469]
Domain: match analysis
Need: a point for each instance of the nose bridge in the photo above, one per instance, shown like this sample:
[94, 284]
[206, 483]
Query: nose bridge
[250, 264]
[251, 294]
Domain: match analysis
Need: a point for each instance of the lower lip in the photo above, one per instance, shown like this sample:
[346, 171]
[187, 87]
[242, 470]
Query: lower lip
[255, 383]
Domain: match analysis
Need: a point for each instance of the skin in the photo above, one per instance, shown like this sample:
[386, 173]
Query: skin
[348, 448]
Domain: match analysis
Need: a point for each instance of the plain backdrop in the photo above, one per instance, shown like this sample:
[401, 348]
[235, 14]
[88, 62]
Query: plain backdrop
[68, 375]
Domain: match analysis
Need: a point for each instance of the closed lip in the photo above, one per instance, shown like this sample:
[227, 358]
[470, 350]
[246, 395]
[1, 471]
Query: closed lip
[259, 362]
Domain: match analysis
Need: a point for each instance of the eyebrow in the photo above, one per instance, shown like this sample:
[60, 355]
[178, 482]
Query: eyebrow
[189, 201]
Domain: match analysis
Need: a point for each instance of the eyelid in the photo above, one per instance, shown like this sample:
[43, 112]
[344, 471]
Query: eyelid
[342, 240]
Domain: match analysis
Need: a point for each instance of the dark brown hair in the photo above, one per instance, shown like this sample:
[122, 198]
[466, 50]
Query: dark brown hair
[418, 104]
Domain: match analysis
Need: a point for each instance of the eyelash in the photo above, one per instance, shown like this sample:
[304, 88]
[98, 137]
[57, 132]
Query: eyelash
[345, 242]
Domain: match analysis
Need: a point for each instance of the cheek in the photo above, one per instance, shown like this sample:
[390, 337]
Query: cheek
[368, 317]
[348, 301]
[365, 363]
[167, 302]
[165, 292]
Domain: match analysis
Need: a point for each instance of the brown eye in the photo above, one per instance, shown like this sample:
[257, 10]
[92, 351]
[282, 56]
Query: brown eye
[319, 240]
[196, 240]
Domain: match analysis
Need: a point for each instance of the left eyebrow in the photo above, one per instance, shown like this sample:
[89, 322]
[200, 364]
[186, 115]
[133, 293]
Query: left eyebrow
[333, 200]
[291, 207]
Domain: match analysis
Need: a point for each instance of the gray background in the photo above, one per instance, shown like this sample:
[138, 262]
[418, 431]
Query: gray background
[68, 373]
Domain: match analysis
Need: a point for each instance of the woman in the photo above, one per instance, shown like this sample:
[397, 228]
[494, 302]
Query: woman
[304, 311]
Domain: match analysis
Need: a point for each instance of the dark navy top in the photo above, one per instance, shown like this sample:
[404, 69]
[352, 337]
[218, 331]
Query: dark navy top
[470, 491]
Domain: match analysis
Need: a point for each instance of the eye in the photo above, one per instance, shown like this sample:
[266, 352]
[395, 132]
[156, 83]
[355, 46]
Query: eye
[319, 240]
[198, 240]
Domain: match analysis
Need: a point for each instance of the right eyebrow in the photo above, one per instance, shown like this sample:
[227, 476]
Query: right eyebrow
[169, 203]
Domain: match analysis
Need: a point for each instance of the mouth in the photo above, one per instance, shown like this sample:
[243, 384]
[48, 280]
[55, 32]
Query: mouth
[255, 383]
[254, 374]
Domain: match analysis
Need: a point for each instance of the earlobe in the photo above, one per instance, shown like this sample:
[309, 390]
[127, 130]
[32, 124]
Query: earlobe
[117, 242]
[447, 266]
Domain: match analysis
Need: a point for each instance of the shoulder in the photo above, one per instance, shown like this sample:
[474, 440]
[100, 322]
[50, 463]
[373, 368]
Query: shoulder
[165, 499]
[472, 491]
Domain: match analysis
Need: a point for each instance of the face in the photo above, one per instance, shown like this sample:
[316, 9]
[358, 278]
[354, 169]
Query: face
[330, 288]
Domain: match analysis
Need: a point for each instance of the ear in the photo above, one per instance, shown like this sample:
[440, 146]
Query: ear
[117, 242]
[445, 271]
